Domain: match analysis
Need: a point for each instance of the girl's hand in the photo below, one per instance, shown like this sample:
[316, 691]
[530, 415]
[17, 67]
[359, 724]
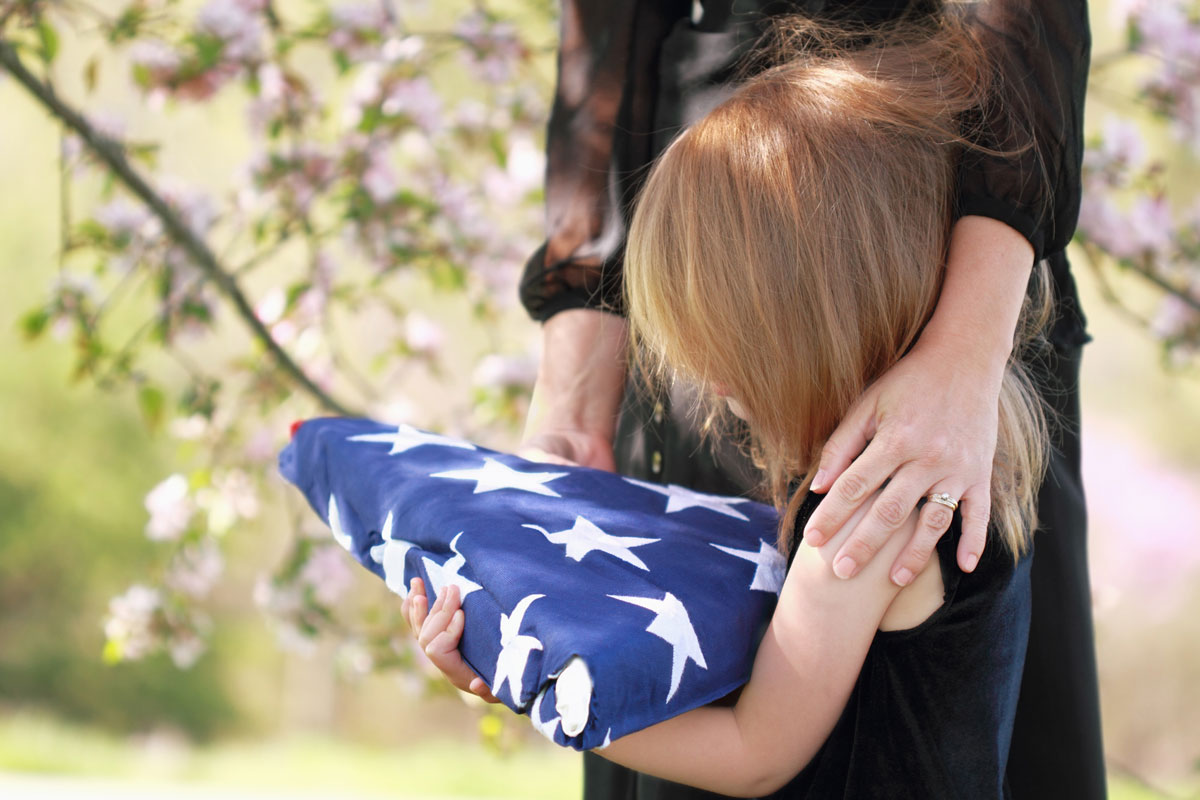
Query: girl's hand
[438, 632]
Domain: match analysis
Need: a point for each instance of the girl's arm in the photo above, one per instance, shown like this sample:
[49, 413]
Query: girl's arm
[805, 669]
[803, 673]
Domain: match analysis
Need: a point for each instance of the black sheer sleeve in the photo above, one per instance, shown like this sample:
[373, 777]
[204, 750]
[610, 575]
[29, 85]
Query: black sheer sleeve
[599, 141]
[1041, 49]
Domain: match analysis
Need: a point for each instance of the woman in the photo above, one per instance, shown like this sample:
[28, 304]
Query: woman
[787, 251]
[631, 74]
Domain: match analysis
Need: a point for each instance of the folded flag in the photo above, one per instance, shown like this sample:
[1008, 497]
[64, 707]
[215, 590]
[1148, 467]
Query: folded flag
[596, 604]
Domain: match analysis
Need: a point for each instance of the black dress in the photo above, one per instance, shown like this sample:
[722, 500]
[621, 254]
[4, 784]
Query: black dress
[631, 74]
[932, 711]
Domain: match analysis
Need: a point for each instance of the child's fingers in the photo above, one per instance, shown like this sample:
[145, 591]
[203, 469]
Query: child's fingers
[417, 605]
[452, 598]
[438, 602]
[479, 687]
[442, 651]
[440, 617]
[444, 640]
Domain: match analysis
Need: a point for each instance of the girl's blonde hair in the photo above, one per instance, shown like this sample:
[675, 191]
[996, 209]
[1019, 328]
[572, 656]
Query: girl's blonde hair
[791, 246]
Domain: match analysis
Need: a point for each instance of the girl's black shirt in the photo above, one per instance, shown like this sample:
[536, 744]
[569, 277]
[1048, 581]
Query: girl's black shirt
[931, 714]
[633, 73]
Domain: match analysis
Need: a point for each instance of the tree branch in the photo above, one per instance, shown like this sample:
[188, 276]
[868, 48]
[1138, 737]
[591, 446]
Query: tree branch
[113, 155]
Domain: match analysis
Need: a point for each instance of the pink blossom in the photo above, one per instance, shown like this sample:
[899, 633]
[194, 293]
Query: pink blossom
[270, 307]
[406, 49]
[357, 29]
[195, 207]
[1102, 222]
[493, 47]
[122, 218]
[170, 509]
[130, 622]
[422, 335]
[1176, 317]
[378, 179]
[1167, 29]
[230, 498]
[1150, 221]
[236, 26]
[416, 100]
[110, 124]
[159, 59]
[328, 574]
[526, 164]
[471, 114]
[1122, 144]
[262, 445]
[505, 372]
[195, 569]
[185, 649]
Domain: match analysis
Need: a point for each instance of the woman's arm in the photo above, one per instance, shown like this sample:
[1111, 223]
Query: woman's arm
[929, 440]
[1016, 207]
[581, 378]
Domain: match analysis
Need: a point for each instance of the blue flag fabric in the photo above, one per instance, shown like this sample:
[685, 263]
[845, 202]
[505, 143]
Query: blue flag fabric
[596, 604]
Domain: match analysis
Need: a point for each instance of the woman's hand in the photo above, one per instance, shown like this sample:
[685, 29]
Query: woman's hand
[438, 633]
[929, 424]
[570, 447]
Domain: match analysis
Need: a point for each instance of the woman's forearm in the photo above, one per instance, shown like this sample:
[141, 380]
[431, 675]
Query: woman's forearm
[987, 274]
[582, 372]
[581, 378]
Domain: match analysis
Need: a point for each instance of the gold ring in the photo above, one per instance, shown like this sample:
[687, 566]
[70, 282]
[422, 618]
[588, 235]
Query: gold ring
[944, 499]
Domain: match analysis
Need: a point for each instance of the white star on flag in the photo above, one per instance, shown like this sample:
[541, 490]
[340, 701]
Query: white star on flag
[584, 537]
[672, 624]
[335, 525]
[442, 575]
[770, 567]
[391, 555]
[494, 475]
[406, 437]
[547, 727]
[680, 498]
[515, 648]
[573, 696]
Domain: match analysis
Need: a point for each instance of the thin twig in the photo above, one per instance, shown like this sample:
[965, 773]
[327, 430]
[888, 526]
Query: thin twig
[114, 157]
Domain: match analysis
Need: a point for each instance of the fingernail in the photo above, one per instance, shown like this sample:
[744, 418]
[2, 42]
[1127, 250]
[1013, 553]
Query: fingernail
[814, 538]
[844, 567]
[971, 561]
[818, 482]
[903, 577]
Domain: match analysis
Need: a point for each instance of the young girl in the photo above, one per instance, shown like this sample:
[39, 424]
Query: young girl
[786, 251]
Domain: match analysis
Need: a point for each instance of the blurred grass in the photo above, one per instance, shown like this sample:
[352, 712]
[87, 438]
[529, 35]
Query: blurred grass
[32, 743]
[36, 743]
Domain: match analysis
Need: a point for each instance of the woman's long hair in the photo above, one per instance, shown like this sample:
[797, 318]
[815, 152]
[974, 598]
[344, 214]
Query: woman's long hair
[791, 245]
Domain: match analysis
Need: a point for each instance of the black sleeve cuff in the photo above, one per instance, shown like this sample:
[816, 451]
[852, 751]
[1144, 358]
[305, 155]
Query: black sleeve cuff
[543, 294]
